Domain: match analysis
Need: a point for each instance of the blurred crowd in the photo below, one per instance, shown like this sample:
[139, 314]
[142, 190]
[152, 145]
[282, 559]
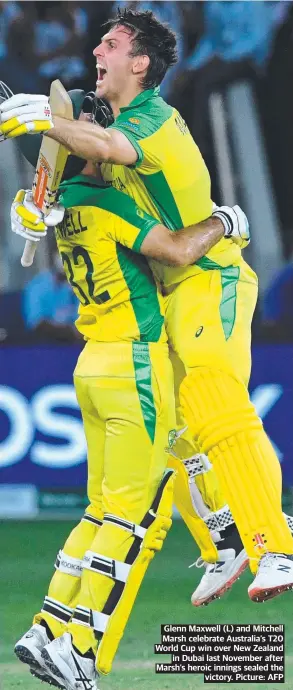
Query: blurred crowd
[218, 43]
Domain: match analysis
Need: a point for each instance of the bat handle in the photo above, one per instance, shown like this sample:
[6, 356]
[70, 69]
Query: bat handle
[28, 253]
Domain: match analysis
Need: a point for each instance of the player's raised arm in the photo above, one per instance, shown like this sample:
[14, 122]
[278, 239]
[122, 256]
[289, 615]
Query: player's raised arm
[93, 143]
[25, 113]
[186, 246]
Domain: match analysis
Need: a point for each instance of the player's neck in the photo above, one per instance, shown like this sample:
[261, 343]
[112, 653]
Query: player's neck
[122, 100]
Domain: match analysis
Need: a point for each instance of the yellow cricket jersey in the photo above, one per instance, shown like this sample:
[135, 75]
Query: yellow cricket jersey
[170, 179]
[99, 241]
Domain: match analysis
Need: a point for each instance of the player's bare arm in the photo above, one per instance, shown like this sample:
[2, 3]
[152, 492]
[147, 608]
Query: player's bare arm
[188, 245]
[92, 142]
[185, 246]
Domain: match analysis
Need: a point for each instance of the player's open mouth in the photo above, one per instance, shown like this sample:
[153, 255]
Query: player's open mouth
[101, 73]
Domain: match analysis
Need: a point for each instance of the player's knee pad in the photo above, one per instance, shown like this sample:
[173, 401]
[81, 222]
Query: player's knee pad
[149, 535]
[217, 407]
[224, 421]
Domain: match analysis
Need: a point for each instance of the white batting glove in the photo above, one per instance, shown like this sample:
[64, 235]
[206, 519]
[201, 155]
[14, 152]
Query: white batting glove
[28, 221]
[236, 226]
[25, 114]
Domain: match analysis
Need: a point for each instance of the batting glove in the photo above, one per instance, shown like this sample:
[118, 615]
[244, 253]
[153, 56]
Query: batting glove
[28, 221]
[236, 226]
[25, 114]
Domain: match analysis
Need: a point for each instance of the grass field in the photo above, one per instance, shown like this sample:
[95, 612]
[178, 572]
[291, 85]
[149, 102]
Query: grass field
[27, 554]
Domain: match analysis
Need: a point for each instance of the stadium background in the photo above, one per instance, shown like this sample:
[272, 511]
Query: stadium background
[233, 85]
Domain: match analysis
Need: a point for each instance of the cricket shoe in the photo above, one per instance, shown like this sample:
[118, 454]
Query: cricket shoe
[219, 577]
[29, 650]
[274, 576]
[67, 667]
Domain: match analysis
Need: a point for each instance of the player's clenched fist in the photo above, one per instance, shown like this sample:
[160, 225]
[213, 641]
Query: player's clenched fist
[25, 114]
[235, 224]
[28, 221]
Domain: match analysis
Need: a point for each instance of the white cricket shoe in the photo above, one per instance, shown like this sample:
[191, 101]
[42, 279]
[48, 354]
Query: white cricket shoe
[219, 576]
[65, 665]
[29, 648]
[274, 576]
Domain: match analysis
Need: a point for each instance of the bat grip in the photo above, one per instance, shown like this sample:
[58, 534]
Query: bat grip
[28, 253]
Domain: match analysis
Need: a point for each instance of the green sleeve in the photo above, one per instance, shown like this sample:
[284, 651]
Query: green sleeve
[140, 123]
[131, 131]
[130, 224]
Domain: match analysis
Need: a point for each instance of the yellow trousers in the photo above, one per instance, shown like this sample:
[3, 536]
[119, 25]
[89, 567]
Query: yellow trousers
[126, 395]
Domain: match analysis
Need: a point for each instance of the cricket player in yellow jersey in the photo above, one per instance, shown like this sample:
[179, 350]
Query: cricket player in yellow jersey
[120, 315]
[124, 385]
[209, 315]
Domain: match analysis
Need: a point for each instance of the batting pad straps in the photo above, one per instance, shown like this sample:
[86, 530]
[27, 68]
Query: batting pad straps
[220, 519]
[106, 566]
[90, 619]
[90, 518]
[56, 609]
[68, 564]
[197, 464]
[131, 527]
[99, 621]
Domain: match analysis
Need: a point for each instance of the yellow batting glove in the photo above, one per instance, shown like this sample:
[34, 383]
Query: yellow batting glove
[28, 221]
[25, 114]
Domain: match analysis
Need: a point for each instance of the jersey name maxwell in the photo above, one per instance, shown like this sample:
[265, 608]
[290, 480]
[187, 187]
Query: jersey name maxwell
[99, 241]
[70, 226]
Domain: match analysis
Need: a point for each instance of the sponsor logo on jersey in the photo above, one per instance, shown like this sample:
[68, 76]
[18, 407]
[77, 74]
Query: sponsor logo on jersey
[199, 332]
[135, 120]
[131, 125]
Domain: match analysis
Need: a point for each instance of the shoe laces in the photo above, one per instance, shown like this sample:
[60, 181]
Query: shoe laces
[268, 557]
[199, 563]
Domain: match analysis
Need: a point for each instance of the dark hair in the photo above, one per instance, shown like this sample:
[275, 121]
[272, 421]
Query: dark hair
[150, 37]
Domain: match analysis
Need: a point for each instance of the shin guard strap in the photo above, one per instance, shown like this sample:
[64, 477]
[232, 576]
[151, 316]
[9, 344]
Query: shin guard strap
[103, 565]
[82, 616]
[197, 464]
[90, 518]
[220, 519]
[90, 619]
[99, 621]
[131, 527]
[56, 609]
[68, 565]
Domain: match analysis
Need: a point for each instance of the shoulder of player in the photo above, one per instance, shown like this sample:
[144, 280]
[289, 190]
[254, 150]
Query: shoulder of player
[101, 200]
[83, 190]
[144, 119]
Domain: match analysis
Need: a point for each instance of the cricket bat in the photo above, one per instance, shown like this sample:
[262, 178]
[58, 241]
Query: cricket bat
[50, 166]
